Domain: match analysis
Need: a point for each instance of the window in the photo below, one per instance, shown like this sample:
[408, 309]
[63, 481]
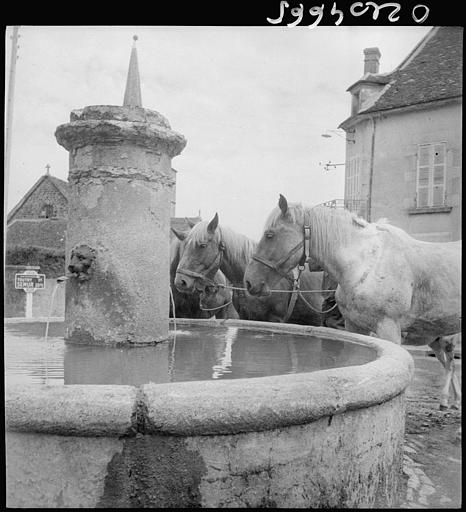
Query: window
[352, 179]
[430, 182]
[47, 211]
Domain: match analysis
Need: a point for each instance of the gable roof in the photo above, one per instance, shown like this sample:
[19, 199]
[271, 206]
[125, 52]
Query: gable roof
[63, 186]
[182, 223]
[432, 71]
[60, 185]
[371, 78]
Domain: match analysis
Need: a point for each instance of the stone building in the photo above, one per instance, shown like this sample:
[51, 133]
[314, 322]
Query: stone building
[39, 219]
[404, 148]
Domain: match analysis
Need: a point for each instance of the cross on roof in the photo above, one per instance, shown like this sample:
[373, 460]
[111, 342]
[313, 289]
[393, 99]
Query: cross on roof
[47, 167]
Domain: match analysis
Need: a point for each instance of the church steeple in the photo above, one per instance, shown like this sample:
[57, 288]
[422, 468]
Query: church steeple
[133, 84]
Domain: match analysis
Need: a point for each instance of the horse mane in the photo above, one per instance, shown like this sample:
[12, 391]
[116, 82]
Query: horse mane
[330, 227]
[238, 247]
[175, 254]
[384, 225]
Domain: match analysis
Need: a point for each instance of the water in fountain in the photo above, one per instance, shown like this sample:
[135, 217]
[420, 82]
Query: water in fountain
[200, 352]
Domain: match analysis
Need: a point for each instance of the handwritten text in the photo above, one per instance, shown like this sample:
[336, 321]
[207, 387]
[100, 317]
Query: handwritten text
[390, 10]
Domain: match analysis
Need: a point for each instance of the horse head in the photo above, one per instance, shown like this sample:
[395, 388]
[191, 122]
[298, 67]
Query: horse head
[201, 257]
[278, 252]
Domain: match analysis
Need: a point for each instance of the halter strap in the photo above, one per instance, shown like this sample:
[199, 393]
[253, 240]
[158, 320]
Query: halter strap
[294, 294]
[272, 266]
[210, 270]
[277, 267]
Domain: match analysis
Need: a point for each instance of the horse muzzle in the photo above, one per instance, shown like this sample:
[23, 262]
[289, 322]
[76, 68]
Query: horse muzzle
[184, 284]
[259, 289]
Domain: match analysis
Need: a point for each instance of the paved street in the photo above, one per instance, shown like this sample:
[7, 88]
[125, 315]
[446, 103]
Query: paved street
[432, 457]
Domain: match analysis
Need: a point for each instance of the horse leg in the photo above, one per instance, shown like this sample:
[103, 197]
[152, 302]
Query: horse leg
[441, 356]
[390, 330]
[352, 327]
[448, 345]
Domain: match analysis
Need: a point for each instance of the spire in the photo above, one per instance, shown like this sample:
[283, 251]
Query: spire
[133, 84]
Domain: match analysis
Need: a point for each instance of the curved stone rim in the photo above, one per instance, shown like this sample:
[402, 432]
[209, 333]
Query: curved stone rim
[119, 113]
[215, 407]
[81, 133]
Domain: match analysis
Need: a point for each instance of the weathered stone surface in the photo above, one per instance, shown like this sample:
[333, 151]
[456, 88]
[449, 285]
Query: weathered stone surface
[85, 411]
[242, 405]
[54, 471]
[118, 113]
[331, 438]
[121, 184]
[111, 124]
[156, 472]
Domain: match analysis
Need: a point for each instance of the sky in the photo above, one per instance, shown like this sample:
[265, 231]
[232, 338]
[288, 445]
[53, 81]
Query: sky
[252, 102]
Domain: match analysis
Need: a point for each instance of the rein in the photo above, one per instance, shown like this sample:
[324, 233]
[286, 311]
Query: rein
[218, 307]
[300, 293]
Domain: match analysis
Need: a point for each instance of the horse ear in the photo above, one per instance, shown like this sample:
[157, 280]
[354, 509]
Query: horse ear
[283, 204]
[181, 235]
[213, 224]
[191, 224]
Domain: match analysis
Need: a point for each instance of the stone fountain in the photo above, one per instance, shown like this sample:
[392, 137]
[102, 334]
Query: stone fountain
[117, 244]
[330, 438]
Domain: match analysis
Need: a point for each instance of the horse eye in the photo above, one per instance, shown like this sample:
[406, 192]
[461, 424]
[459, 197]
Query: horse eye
[269, 235]
[202, 245]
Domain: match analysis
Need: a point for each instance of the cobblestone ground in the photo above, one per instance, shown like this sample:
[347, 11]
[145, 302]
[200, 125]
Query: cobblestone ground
[432, 451]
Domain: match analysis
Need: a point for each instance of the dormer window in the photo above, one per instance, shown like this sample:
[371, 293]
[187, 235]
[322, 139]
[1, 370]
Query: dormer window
[47, 212]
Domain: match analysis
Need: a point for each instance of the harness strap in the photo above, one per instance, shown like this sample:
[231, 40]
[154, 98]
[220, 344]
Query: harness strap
[276, 267]
[294, 294]
[196, 275]
[307, 243]
[211, 270]
[272, 266]
[288, 256]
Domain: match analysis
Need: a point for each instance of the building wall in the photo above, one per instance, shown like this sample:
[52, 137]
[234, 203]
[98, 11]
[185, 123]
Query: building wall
[39, 232]
[14, 303]
[46, 193]
[359, 150]
[396, 141]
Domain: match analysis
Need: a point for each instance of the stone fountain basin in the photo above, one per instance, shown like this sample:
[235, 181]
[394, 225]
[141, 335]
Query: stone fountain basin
[330, 438]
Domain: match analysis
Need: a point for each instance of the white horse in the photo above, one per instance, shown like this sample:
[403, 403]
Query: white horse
[389, 284]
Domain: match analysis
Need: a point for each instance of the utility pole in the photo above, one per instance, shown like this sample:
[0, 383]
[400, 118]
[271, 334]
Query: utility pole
[9, 122]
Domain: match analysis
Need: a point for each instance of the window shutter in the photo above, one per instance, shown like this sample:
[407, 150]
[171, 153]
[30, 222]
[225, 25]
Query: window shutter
[430, 186]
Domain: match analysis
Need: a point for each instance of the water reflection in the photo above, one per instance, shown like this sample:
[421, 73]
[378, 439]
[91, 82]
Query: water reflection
[224, 365]
[200, 353]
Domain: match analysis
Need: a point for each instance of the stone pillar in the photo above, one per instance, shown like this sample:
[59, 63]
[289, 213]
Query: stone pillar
[117, 243]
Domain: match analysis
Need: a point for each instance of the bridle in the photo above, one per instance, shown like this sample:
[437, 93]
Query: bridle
[210, 271]
[278, 266]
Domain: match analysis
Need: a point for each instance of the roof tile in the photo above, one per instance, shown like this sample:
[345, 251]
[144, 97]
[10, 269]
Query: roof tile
[432, 74]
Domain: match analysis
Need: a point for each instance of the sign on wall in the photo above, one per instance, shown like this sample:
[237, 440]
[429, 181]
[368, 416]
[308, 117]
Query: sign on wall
[30, 281]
